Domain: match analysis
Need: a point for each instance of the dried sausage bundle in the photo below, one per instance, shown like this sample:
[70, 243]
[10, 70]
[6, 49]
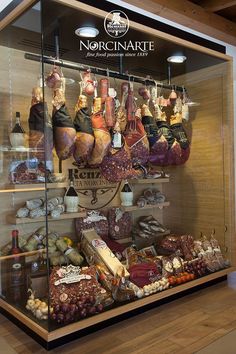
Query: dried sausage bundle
[63, 129]
[84, 132]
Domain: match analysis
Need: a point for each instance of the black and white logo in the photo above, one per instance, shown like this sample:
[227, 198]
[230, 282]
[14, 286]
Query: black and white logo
[116, 23]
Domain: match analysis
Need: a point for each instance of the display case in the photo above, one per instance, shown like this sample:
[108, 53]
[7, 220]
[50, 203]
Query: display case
[116, 167]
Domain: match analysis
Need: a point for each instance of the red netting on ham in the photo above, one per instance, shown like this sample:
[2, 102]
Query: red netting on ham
[117, 165]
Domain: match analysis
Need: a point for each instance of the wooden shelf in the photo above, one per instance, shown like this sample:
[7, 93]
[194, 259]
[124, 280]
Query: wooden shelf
[19, 149]
[15, 221]
[112, 313]
[149, 180]
[135, 207]
[18, 188]
[22, 254]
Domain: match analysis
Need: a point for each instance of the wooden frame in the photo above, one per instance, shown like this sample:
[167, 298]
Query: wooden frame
[50, 336]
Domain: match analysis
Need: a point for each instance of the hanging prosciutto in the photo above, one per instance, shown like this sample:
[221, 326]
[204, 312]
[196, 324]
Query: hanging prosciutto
[177, 129]
[84, 132]
[63, 129]
[40, 128]
[101, 134]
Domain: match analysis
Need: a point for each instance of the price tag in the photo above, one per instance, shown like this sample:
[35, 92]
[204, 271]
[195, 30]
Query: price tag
[116, 140]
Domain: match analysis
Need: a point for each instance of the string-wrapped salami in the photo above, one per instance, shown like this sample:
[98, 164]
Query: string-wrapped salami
[84, 132]
[101, 134]
[63, 128]
[40, 128]
[180, 135]
[104, 85]
[110, 112]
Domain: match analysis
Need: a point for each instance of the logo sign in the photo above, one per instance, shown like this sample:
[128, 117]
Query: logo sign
[94, 191]
[116, 24]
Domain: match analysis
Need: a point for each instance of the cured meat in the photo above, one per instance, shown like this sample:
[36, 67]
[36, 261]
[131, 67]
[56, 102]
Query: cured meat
[104, 85]
[101, 134]
[181, 137]
[121, 115]
[84, 132]
[63, 129]
[137, 141]
[87, 83]
[173, 154]
[117, 166]
[110, 112]
[40, 128]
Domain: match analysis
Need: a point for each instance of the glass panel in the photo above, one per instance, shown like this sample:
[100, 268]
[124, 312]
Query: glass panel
[140, 154]
[22, 169]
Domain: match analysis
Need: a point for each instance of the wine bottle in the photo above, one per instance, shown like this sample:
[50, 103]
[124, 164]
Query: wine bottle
[17, 127]
[16, 272]
[126, 195]
[17, 135]
[71, 198]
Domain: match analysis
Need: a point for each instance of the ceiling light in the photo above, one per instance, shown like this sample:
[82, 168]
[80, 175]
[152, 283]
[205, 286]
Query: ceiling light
[176, 59]
[89, 32]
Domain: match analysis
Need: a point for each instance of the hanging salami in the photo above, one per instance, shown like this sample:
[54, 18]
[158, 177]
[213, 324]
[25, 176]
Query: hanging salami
[84, 132]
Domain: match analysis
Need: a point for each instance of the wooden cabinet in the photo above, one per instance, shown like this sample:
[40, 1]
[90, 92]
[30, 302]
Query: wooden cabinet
[199, 193]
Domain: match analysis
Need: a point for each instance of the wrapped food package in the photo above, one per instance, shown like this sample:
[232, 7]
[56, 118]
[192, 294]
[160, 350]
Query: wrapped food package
[100, 248]
[94, 219]
[120, 223]
[101, 134]
[28, 171]
[84, 132]
[75, 294]
[144, 274]
[40, 128]
[63, 129]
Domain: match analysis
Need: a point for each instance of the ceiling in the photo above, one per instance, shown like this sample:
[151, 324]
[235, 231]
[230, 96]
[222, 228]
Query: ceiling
[215, 18]
[24, 34]
[225, 9]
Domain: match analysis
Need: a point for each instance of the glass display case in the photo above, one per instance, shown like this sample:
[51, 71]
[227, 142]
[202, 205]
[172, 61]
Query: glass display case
[116, 168]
